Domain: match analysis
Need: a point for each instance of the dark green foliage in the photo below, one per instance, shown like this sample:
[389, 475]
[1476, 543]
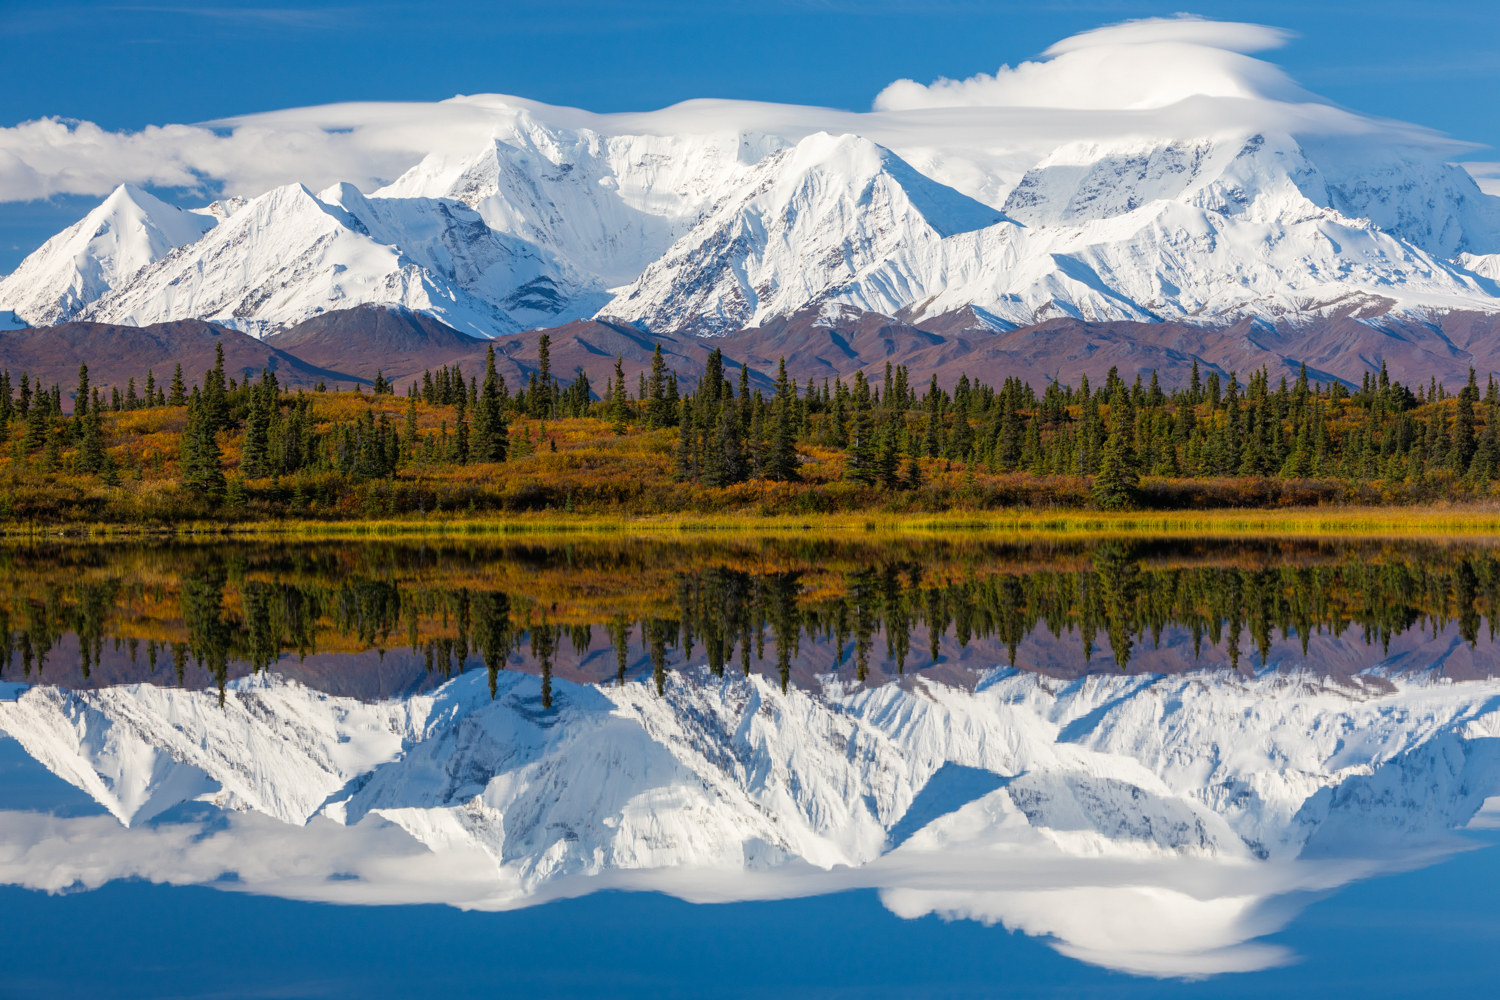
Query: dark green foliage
[781, 460]
[200, 457]
[861, 466]
[491, 438]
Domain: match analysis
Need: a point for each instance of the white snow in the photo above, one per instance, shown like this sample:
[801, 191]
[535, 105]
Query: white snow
[287, 256]
[129, 230]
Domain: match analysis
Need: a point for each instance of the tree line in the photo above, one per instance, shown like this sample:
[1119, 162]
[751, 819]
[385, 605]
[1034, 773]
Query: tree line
[888, 430]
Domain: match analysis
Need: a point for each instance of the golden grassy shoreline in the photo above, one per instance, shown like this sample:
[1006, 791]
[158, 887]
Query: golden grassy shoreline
[1466, 520]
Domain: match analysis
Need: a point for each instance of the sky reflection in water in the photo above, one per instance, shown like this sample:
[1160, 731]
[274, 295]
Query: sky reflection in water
[1151, 756]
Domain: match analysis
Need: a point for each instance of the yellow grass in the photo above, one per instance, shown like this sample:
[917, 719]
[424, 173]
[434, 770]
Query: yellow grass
[1438, 520]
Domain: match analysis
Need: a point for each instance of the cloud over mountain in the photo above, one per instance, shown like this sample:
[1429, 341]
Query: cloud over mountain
[1162, 76]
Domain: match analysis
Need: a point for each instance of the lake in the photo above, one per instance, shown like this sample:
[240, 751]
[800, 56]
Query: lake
[816, 764]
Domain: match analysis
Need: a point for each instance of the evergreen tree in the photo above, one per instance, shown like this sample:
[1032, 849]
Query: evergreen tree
[81, 398]
[539, 395]
[201, 459]
[747, 405]
[179, 389]
[458, 449]
[888, 464]
[687, 446]
[92, 458]
[932, 443]
[862, 466]
[1461, 454]
[37, 424]
[411, 425]
[725, 460]
[215, 401]
[491, 432]
[913, 477]
[1115, 485]
[619, 410]
[255, 449]
[658, 406]
[781, 453]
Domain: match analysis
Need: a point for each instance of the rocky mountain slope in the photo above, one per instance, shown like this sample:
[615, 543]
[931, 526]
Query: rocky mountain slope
[117, 353]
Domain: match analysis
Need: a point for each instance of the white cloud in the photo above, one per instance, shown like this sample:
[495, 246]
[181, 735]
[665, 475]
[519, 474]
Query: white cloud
[1165, 78]
[1160, 915]
[1137, 65]
[1486, 175]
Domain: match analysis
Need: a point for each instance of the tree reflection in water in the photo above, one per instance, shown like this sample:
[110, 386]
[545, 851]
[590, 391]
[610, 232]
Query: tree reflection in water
[229, 609]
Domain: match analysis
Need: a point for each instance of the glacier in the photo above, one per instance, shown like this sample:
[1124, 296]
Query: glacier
[1156, 824]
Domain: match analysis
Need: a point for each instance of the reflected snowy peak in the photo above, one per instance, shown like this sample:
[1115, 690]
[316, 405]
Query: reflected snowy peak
[1157, 824]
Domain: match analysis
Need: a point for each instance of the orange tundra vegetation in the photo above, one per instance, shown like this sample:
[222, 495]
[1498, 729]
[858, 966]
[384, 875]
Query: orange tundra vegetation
[458, 446]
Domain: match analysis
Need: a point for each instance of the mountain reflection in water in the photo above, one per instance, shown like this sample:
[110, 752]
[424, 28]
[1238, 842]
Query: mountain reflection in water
[1146, 751]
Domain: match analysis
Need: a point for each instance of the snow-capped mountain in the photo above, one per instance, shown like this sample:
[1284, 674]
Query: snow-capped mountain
[610, 204]
[808, 219]
[1152, 171]
[1218, 790]
[1209, 231]
[129, 230]
[290, 255]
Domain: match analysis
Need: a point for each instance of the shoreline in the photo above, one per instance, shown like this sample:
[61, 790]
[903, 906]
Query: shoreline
[1345, 522]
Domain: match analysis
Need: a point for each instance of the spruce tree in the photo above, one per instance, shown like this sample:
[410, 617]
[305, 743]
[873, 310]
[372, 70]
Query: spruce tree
[81, 398]
[255, 449]
[1116, 484]
[724, 464]
[658, 412]
[201, 459]
[458, 449]
[932, 442]
[37, 425]
[687, 445]
[781, 453]
[491, 432]
[410, 436]
[619, 408]
[1461, 454]
[92, 457]
[861, 467]
[178, 395]
[215, 395]
[913, 477]
[888, 464]
[747, 405]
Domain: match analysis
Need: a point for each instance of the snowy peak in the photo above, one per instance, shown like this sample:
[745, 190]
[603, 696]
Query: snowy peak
[1220, 791]
[290, 255]
[1264, 177]
[806, 221]
[128, 231]
[608, 204]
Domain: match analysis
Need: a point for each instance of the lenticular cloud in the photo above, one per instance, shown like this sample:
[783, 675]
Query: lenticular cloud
[1172, 78]
[1133, 66]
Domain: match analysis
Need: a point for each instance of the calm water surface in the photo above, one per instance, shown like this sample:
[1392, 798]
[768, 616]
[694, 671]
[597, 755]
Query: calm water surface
[809, 767]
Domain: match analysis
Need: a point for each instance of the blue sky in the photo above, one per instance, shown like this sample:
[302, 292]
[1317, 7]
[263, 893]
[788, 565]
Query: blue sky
[126, 65]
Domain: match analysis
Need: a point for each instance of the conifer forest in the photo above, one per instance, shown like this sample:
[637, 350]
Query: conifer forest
[162, 449]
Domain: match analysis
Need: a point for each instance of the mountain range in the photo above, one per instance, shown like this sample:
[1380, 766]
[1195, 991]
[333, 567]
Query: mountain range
[1266, 226]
